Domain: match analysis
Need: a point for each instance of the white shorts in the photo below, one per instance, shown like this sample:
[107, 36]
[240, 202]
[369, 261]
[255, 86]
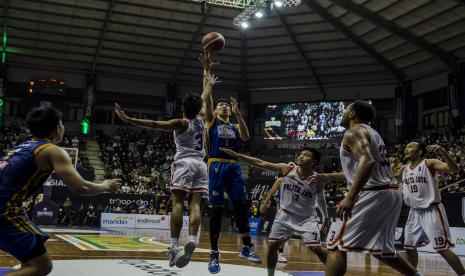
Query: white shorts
[372, 226]
[285, 224]
[189, 175]
[425, 225]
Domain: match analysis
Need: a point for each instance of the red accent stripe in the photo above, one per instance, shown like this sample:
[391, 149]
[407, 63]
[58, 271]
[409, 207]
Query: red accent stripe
[290, 170]
[442, 222]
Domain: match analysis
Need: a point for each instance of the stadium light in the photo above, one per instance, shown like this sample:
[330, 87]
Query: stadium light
[259, 14]
[278, 3]
[244, 25]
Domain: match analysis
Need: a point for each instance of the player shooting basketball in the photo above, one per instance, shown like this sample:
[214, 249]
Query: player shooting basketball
[225, 172]
[427, 219]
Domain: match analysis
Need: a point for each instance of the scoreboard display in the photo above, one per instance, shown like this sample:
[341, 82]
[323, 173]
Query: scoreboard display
[48, 86]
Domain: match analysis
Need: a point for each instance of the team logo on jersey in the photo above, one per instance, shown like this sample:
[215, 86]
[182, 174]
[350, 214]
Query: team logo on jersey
[225, 132]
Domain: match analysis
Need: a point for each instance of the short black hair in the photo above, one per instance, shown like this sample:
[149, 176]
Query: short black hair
[421, 146]
[364, 110]
[42, 121]
[191, 105]
[223, 100]
[316, 155]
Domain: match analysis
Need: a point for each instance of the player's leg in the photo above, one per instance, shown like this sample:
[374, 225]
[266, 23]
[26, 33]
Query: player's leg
[320, 252]
[281, 257]
[399, 263]
[215, 200]
[311, 237]
[40, 265]
[272, 256]
[238, 196]
[177, 198]
[453, 260]
[336, 263]
[437, 228]
[412, 256]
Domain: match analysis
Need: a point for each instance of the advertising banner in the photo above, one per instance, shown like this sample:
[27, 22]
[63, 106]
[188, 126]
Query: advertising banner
[112, 220]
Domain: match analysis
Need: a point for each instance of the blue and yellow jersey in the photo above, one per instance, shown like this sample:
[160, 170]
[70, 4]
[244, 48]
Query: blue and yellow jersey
[20, 176]
[221, 134]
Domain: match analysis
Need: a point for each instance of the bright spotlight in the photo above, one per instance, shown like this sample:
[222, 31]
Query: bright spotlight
[245, 25]
[278, 3]
[259, 14]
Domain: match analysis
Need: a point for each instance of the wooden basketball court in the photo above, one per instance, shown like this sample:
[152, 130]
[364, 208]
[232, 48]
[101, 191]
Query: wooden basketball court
[299, 257]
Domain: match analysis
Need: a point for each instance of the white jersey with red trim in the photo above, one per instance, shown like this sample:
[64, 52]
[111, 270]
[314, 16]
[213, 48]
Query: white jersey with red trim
[191, 142]
[382, 173]
[419, 186]
[297, 195]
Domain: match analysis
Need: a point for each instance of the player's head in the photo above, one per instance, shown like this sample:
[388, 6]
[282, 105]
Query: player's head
[223, 107]
[308, 157]
[45, 122]
[191, 105]
[359, 111]
[414, 150]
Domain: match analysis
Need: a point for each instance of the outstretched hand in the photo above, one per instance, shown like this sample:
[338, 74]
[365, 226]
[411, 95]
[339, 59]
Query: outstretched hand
[436, 149]
[212, 80]
[120, 113]
[234, 105]
[112, 185]
[229, 152]
[206, 61]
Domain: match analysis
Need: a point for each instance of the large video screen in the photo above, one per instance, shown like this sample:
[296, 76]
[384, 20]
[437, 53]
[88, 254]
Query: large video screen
[304, 121]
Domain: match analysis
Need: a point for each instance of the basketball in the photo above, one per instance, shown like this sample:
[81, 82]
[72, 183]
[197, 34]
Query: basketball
[213, 42]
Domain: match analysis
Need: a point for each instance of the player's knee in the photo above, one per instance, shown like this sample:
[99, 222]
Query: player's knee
[274, 245]
[41, 265]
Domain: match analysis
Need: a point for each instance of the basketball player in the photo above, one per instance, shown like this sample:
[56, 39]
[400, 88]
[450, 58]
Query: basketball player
[371, 208]
[22, 171]
[427, 220]
[225, 172]
[298, 198]
[188, 171]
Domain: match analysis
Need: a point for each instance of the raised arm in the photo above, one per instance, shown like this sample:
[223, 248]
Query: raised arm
[359, 143]
[277, 184]
[207, 98]
[61, 163]
[449, 166]
[171, 125]
[242, 126]
[278, 167]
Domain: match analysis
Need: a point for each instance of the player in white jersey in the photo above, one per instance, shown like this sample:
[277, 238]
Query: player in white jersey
[298, 199]
[427, 219]
[188, 171]
[371, 208]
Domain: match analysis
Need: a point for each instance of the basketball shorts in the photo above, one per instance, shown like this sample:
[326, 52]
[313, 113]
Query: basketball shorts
[189, 175]
[372, 226]
[21, 238]
[225, 177]
[428, 225]
[286, 224]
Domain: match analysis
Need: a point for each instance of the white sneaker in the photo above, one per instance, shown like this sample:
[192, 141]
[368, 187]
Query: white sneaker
[281, 258]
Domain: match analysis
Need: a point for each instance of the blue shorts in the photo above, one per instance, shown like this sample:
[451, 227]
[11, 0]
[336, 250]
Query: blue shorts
[21, 238]
[225, 177]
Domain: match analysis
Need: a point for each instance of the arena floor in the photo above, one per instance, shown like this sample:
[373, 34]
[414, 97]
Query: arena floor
[143, 252]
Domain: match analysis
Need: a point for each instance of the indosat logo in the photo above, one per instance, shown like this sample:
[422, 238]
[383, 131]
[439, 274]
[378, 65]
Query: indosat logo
[118, 220]
[150, 220]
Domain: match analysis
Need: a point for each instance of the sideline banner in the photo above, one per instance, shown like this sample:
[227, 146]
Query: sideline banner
[113, 220]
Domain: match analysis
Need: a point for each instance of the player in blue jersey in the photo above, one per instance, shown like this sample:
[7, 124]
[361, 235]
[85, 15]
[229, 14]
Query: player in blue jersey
[225, 172]
[22, 171]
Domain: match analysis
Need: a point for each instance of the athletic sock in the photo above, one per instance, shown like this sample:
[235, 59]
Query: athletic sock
[271, 271]
[281, 250]
[174, 242]
[192, 238]
[247, 241]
